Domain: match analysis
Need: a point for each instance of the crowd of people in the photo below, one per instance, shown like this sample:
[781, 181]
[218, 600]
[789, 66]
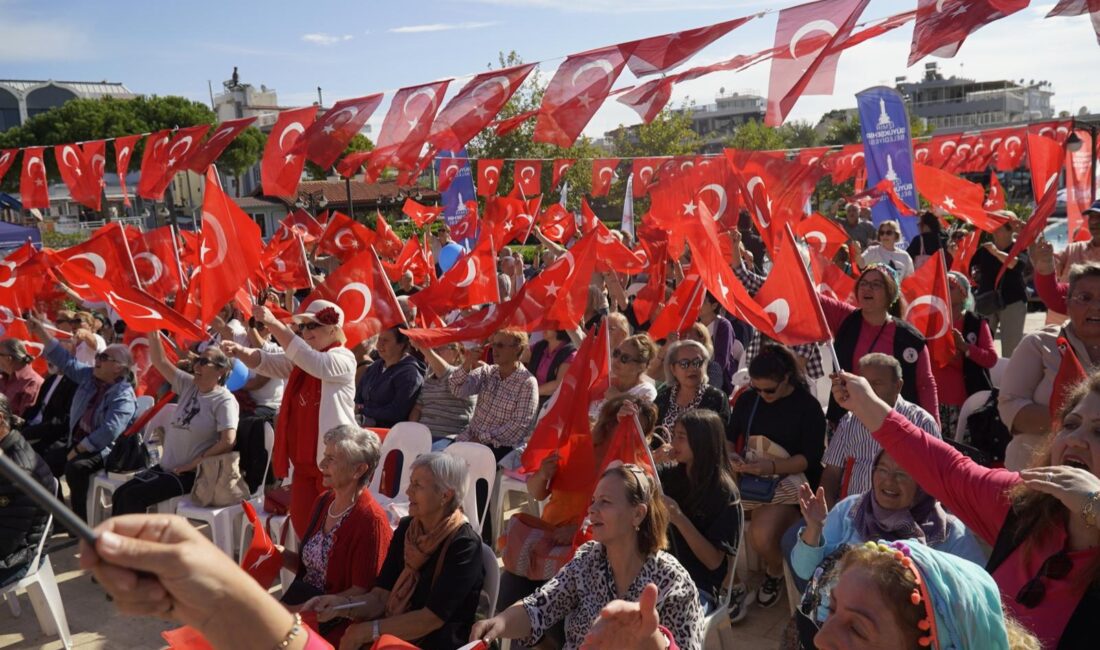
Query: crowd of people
[898, 523]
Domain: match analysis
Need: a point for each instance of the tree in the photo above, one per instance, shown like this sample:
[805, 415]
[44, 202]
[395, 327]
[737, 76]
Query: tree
[798, 134]
[669, 134]
[755, 136]
[243, 153]
[358, 143]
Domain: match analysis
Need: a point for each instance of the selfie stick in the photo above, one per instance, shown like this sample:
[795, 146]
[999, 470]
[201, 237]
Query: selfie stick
[48, 502]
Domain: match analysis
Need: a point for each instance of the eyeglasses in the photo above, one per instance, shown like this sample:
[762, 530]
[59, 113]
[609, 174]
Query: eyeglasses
[684, 364]
[103, 356]
[309, 327]
[769, 391]
[877, 285]
[897, 475]
[1056, 567]
[625, 358]
[203, 361]
[886, 233]
[1084, 299]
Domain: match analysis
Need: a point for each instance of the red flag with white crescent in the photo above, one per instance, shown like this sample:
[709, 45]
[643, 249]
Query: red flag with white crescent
[345, 237]
[223, 135]
[467, 226]
[943, 25]
[995, 197]
[386, 241]
[561, 165]
[281, 168]
[790, 298]
[262, 560]
[124, 151]
[156, 263]
[680, 310]
[526, 176]
[421, 215]
[475, 106]
[413, 260]
[557, 223]
[822, 235]
[7, 159]
[830, 279]
[576, 91]
[34, 189]
[488, 176]
[362, 291]
[929, 308]
[326, 138]
[965, 252]
[661, 53]
[82, 168]
[168, 155]
[471, 281]
[406, 127]
[603, 173]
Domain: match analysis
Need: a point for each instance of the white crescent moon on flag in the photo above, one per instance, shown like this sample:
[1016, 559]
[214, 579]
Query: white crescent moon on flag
[35, 160]
[114, 299]
[160, 143]
[363, 290]
[504, 83]
[598, 64]
[1050, 181]
[751, 187]
[818, 237]
[185, 139]
[781, 309]
[820, 25]
[99, 163]
[608, 170]
[450, 170]
[124, 155]
[222, 133]
[427, 92]
[687, 164]
[67, 151]
[642, 176]
[5, 158]
[1046, 129]
[295, 127]
[722, 200]
[568, 257]
[340, 235]
[471, 273]
[6, 315]
[527, 172]
[494, 171]
[939, 6]
[154, 261]
[219, 238]
[139, 341]
[1012, 138]
[937, 304]
[351, 113]
[99, 266]
[11, 275]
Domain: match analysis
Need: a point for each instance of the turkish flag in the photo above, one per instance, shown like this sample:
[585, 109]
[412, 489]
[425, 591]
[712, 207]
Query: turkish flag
[106, 255]
[1066, 8]
[846, 163]
[943, 25]
[564, 428]
[629, 447]
[806, 64]
[603, 172]
[956, 196]
[299, 223]
[995, 198]
[405, 128]
[661, 53]
[285, 265]
[20, 280]
[929, 308]
[471, 281]
[281, 168]
[421, 215]
[488, 176]
[1070, 374]
[325, 139]
[361, 289]
[922, 152]
[144, 313]
[124, 151]
[792, 293]
[262, 560]
[648, 99]
[681, 310]
[157, 263]
[561, 165]
[448, 171]
[475, 106]
[644, 171]
[467, 226]
[224, 135]
[229, 253]
[1046, 158]
[509, 218]
[557, 223]
[1078, 187]
[344, 237]
[7, 158]
[527, 176]
[773, 189]
[653, 293]
[941, 149]
[168, 155]
[1008, 148]
[576, 91]
[82, 167]
[34, 189]
[556, 298]
[965, 252]
[821, 234]
[831, 280]
[507, 125]
[613, 255]
[411, 259]
[1057, 130]
[386, 241]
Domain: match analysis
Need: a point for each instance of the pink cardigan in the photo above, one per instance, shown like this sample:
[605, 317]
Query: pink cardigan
[979, 497]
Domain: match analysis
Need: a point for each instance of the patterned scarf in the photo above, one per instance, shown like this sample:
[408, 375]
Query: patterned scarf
[674, 409]
[420, 545]
[925, 520]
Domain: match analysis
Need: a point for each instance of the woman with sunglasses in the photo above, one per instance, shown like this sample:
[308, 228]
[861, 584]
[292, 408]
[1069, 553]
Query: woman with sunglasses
[629, 360]
[1043, 522]
[687, 387]
[886, 251]
[203, 425]
[319, 394]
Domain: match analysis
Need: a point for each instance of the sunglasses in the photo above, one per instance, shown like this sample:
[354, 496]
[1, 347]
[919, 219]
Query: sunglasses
[103, 356]
[684, 364]
[769, 391]
[501, 346]
[884, 233]
[203, 361]
[309, 327]
[626, 358]
[1056, 567]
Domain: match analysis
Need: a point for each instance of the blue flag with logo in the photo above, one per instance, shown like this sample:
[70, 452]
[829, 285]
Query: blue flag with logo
[461, 189]
[888, 153]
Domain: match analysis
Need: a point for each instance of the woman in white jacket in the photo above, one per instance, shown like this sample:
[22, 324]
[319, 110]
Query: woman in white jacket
[319, 394]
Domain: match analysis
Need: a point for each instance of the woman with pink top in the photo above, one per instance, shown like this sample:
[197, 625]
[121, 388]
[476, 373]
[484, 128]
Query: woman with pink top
[1043, 522]
[968, 372]
[876, 325]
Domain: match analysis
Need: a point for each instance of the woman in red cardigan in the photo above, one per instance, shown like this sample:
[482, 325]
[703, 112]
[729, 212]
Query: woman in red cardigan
[348, 534]
[1043, 523]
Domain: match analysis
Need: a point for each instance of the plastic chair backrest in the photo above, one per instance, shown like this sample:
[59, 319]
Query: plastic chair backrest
[411, 439]
[143, 404]
[162, 418]
[491, 586]
[482, 466]
[972, 403]
[54, 487]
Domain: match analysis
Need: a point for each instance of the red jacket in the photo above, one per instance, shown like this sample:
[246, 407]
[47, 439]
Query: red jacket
[359, 545]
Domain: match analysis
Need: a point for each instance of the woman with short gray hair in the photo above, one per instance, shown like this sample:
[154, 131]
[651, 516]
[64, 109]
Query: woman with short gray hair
[427, 592]
[18, 380]
[686, 386]
[348, 533]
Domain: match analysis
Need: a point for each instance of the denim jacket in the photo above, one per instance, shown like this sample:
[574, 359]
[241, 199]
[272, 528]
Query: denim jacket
[115, 411]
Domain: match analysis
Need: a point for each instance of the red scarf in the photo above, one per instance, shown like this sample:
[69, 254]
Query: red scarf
[296, 428]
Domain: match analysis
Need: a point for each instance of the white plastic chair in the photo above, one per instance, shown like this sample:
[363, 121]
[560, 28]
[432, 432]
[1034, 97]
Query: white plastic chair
[507, 485]
[971, 404]
[105, 483]
[41, 587]
[997, 372]
[276, 525]
[490, 588]
[482, 467]
[411, 439]
[721, 612]
[143, 404]
[224, 521]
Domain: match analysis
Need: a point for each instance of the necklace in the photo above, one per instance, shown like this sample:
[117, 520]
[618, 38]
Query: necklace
[342, 513]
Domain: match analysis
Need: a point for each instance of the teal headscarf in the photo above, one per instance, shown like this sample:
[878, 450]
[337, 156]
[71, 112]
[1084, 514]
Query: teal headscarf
[965, 599]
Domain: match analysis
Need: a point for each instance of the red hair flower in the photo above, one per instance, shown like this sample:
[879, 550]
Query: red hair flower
[327, 316]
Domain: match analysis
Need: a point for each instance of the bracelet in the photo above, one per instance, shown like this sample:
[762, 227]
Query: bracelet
[1089, 511]
[295, 630]
[773, 468]
[376, 629]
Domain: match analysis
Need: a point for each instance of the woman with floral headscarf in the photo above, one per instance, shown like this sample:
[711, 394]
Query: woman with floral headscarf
[968, 372]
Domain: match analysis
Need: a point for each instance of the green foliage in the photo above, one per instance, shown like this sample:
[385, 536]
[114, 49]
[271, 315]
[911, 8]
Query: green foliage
[358, 143]
[243, 152]
[798, 134]
[755, 136]
[669, 134]
[843, 132]
[54, 239]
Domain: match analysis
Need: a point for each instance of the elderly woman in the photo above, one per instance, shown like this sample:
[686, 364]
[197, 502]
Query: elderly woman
[886, 251]
[319, 394]
[629, 528]
[687, 387]
[716, 373]
[436, 408]
[18, 380]
[1042, 522]
[22, 523]
[348, 534]
[629, 360]
[1030, 379]
[427, 591]
[103, 406]
[387, 390]
[203, 425]
[968, 372]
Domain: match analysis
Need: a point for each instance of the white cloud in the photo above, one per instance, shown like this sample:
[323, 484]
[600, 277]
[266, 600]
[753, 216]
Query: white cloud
[28, 41]
[630, 6]
[321, 38]
[440, 27]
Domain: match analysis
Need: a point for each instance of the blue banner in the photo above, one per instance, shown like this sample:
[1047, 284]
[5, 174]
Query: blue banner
[888, 153]
[461, 189]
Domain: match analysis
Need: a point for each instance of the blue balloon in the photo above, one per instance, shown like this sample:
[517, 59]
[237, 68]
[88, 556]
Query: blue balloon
[449, 254]
[237, 376]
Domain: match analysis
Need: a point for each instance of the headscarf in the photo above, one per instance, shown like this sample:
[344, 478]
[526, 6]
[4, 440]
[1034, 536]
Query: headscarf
[963, 282]
[924, 521]
[962, 596]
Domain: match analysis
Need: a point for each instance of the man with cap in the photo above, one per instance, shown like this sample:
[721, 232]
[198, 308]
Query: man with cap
[1077, 252]
[18, 380]
[103, 407]
[319, 394]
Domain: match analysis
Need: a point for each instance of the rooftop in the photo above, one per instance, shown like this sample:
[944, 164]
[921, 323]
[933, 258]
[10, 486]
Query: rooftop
[97, 88]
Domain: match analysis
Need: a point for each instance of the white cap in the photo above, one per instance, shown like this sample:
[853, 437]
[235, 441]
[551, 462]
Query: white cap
[316, 312]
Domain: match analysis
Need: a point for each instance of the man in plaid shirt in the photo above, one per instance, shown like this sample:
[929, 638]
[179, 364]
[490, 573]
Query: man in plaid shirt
[507, 394]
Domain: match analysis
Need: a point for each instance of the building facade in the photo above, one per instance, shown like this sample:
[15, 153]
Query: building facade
[22, 99]
[955, 103]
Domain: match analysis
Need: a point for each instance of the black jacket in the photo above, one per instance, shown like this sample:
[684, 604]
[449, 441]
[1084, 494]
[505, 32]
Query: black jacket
[56, 411]
[22, 523]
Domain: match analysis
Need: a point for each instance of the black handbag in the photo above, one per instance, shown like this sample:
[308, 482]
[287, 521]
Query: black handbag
[129, 454]
[756, 488]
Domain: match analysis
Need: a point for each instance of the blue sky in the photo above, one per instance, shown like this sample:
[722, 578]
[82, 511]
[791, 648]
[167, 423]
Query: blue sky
[356, 48]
